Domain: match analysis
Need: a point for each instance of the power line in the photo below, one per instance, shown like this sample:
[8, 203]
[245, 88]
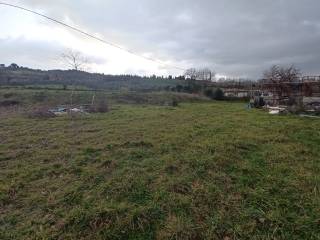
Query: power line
[90, 35]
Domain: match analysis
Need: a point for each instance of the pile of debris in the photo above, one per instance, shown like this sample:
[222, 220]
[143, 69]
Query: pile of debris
[276, 110]
[60, 111]
[99, 107]
[292, 93]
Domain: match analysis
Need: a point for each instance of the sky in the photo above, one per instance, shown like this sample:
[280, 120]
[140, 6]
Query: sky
[234, 38]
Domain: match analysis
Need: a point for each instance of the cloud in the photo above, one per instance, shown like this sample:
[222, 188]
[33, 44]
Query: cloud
[235, 38]
[29, 53]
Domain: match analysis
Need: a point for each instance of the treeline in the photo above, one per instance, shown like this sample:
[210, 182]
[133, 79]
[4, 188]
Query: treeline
[15, 75]
[210, 90]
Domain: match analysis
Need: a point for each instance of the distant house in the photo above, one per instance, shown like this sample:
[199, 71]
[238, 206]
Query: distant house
[2, 66]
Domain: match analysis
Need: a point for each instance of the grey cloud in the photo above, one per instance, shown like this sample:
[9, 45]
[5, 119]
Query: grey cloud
[236, 37]
[43, 55]
[28, 53]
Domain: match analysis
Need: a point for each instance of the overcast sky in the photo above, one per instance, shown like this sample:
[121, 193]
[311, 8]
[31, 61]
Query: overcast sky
[237, 38]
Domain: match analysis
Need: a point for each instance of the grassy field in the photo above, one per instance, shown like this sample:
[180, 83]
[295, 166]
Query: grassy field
[27, 98]
[212, 170]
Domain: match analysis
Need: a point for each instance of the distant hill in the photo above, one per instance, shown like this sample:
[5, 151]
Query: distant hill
[24, 76]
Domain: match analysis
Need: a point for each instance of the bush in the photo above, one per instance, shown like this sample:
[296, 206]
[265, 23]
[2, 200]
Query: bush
[99, 107]
[39, 97]
[218, 94]
[209, 93]
[41, 113]
[8, 95]
[175, 103]
[9, 103]
[179, 88]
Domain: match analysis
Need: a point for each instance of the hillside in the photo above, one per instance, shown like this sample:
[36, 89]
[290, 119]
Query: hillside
[26, 76]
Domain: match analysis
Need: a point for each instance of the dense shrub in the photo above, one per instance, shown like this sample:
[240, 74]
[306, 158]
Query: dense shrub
[41, 113]
[236, 99]
[218, 94]
[209, 93]
[179, 88]
[8, 95]
[8, 103]
[39, 97]
[175, 103]
[99, 107]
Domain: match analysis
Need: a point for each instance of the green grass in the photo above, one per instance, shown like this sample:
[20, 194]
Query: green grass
[49, 97]
[198, 171]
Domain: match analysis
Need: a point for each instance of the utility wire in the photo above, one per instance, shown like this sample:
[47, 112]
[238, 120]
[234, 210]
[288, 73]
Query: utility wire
[90, 35]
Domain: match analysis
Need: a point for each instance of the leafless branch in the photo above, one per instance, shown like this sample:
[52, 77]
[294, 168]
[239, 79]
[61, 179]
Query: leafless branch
[74, 59]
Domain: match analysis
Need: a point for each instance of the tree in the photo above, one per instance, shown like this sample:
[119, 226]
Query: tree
[277, 74]
[209, 93]
[278, 80]
[74, 59]
[272, 74]
[180, 78]
[204, 74]
[289, 74]
[13, 66]
[179, 88]
[191, 73]
[218, 94]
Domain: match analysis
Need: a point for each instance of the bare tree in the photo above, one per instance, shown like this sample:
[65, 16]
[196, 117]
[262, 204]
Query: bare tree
[191, 73]
[278, 80]
[277, 74]
[74, 59]
[272, 74]
[204, 74]
[289, 74]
